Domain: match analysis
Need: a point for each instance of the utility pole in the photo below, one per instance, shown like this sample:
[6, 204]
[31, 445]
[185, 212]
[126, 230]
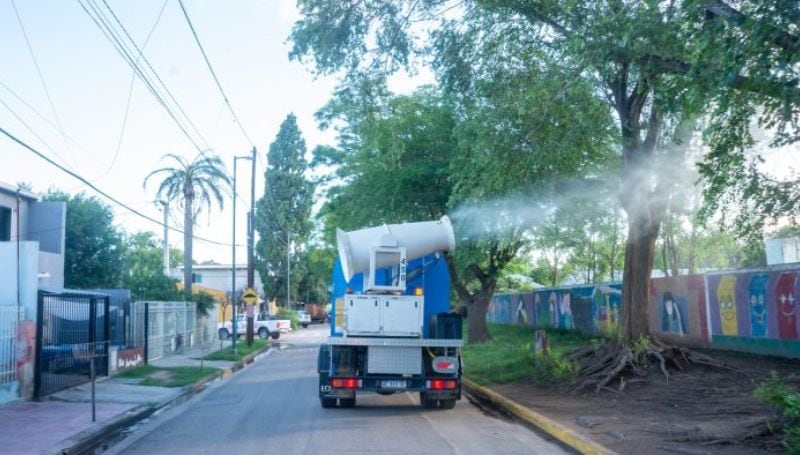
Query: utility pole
[251, 265]
[166, 238]
[234, 324]
[288, 270]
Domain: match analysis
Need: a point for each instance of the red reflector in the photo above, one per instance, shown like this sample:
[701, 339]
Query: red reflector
[345, 383]
[444, 365]
[440, 384]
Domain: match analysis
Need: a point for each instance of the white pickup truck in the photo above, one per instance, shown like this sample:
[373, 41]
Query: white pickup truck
[263, 326]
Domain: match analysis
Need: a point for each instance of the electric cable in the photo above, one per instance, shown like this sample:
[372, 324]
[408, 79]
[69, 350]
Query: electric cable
[114, 200]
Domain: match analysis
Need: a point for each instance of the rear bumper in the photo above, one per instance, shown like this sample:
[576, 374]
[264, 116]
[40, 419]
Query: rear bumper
[375, 384]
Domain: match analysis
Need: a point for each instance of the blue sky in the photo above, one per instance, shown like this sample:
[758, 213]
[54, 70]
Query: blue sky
[88, 81]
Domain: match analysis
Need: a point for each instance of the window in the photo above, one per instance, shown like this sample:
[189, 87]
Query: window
[5, 224]
[197, 278]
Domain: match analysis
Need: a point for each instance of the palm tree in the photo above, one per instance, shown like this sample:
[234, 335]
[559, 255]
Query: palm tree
[194, 185]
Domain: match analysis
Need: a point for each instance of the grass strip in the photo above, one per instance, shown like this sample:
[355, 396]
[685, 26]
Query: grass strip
[168, 376]
[242, 349]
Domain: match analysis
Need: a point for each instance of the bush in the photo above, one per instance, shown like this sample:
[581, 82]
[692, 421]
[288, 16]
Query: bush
[291, 315]
[775, 393]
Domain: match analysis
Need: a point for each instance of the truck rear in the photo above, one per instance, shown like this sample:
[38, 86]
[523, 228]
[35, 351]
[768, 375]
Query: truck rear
[390, 326]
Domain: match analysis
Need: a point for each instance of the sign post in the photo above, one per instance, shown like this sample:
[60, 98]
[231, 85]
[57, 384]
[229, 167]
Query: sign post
[250, 298]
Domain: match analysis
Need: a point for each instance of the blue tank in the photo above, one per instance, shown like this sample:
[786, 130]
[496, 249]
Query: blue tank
[428, 272]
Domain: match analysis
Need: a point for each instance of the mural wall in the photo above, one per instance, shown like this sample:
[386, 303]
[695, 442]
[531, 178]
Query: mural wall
[749, 310]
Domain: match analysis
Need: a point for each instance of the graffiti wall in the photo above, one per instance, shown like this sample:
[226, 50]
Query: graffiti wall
[749, 310]
[588, 309]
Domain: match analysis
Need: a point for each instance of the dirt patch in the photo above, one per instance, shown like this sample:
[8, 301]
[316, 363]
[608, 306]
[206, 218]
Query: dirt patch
[161, 375]
[698, 411]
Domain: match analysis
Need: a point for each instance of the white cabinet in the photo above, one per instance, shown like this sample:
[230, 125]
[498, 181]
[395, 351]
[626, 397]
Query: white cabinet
[401, 316]
[381, 315]
[363, 314]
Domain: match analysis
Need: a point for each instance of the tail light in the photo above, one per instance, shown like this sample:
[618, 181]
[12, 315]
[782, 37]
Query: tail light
[442, 384]
[346, 383]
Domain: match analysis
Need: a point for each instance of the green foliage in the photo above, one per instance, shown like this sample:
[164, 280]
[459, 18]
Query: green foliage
[93, 245]
[508, 356]
[283, 211]
[291, 315]
[205, 302]
[168, 376]
[143, 269]
[193, 185]
[242, 350]
[775, 393]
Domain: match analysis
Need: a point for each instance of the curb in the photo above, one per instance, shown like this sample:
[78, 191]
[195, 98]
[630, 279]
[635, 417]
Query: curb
[558, 431]
[89, 440]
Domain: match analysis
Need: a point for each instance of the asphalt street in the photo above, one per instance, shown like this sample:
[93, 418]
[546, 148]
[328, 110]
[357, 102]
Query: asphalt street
[272, 407]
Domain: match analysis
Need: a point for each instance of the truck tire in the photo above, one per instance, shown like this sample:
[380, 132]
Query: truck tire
[347, 402]
[275, 335]
[305, 325]
[448, 404]
[327, 402]
[426, 402]
[263, 333]
[223, 334]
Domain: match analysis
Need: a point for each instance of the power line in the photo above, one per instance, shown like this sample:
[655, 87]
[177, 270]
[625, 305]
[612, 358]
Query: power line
[122, 49]
[213, 73]
[130, 93]
[101, 192]
[41, 78]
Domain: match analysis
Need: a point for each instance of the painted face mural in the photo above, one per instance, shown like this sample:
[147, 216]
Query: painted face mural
[553, 301]
[787, 306]
[726, 297]
[671, 319]
[757, 291]
[566, 312]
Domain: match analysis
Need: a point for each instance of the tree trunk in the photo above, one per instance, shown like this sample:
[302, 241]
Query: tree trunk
[477, 330]
[639, 252]
[188, 228]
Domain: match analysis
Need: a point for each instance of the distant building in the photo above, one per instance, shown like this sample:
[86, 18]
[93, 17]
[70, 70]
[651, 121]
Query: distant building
[218, 276]
[783, 251]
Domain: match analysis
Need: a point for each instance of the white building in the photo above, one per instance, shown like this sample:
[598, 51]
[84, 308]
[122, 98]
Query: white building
[218, 276]
[783, 251]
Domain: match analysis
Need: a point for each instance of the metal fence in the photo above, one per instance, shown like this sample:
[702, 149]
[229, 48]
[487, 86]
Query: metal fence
[170, 327]
[72, 329]
[9, 317]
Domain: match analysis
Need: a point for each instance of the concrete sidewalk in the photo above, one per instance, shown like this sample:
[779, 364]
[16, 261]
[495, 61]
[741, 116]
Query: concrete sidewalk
[65, 417]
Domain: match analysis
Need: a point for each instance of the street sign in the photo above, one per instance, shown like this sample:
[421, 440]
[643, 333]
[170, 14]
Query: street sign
[250, 296]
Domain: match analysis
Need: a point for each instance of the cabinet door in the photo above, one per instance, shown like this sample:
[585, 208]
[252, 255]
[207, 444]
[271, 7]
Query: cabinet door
[363, 314]
[402, 316]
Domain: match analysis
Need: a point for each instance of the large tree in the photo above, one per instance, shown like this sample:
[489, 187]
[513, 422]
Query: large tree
[194, 185]
[658, 66]
[93, 245]
[283, 212]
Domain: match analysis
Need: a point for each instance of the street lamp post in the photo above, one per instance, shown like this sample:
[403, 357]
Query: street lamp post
[233, 254]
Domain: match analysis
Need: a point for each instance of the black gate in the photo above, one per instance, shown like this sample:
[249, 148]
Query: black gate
[72, 328]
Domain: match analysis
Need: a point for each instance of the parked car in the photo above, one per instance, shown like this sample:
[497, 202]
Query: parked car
[263, 326]
[303, 318]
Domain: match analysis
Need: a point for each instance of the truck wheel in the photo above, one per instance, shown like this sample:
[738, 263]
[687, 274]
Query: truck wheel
[426, 402]
[263, 333]
[305, 326]
[347, 402]
[447, 404]
[327, 402]
[275, 335]
[223, 334]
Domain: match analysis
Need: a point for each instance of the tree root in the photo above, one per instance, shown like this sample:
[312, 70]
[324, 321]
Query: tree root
[600, 365]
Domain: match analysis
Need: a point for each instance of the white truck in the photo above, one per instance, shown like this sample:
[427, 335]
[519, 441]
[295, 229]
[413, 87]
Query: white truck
[263, 326]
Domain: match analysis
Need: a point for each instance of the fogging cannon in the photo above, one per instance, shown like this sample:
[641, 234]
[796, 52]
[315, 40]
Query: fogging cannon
[390, 326]
[390, 247]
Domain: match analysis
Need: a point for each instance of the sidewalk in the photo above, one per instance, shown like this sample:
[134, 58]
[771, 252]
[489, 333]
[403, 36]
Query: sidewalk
[64, 418]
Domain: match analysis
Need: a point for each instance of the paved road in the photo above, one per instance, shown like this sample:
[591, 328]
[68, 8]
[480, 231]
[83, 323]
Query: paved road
[272, 407]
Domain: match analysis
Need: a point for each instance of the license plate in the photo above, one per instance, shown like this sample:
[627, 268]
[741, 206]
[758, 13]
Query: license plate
[393, 384]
